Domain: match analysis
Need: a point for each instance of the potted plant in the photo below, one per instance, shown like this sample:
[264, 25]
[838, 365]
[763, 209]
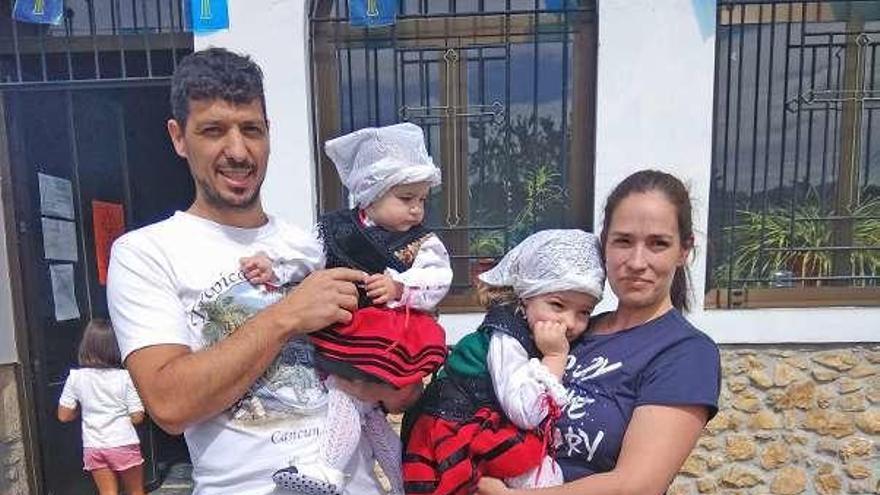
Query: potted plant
[486, 248]
[761, 239]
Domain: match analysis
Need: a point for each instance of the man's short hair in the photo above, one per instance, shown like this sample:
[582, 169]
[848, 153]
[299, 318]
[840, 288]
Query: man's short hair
[215, 74]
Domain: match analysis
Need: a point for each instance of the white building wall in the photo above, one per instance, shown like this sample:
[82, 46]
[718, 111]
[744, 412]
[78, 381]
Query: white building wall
[275, 34]
[7, 333]
[655, 101]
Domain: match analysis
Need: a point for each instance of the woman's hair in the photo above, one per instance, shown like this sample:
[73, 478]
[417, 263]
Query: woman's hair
[98, 347]
[675, 191]
[490, 295]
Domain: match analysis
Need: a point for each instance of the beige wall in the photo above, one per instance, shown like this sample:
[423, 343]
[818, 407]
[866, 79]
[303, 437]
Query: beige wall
[793, 420]
[13, 479]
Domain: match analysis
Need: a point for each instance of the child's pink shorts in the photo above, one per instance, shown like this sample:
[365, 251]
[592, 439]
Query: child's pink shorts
[113, 458]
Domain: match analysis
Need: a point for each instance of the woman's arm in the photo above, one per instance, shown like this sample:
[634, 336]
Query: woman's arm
[656, 444]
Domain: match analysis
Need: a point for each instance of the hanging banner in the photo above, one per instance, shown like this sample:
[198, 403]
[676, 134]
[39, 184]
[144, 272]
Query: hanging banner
[108, 220]
[207, 16]
[372, 13]
[38, 11]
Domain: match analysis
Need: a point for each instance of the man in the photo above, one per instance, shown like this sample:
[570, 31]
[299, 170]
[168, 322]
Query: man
[213, 356]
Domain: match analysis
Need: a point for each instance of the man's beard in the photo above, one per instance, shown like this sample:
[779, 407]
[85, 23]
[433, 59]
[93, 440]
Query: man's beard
[213, 198]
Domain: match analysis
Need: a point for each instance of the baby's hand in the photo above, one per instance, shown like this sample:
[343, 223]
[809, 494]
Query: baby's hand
[258, 269]
[381, 288]
[550, 338]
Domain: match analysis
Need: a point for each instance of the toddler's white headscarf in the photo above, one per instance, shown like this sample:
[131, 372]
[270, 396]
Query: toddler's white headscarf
[372, 160]
[551, 261]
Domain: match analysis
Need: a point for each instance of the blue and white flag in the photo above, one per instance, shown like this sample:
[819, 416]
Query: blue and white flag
[372, 13]
[208, 15]
[39, 11]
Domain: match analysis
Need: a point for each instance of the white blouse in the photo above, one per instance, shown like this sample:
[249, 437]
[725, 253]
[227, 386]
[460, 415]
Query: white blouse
[522, 385]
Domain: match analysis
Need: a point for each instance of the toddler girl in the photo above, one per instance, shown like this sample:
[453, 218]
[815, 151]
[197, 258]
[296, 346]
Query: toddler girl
[104, 395]
[491, 410]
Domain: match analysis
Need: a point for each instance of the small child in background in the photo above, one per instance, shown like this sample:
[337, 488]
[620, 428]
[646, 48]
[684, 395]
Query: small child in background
[491, 411]
[102, 392]
[388, 172]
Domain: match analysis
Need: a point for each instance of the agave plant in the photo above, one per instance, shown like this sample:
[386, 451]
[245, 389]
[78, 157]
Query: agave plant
[761, 242]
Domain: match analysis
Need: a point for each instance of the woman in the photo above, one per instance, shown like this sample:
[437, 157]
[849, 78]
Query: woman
[643, 381]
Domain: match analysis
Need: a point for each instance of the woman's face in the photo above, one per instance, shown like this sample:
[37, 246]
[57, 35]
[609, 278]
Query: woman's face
[643, 250]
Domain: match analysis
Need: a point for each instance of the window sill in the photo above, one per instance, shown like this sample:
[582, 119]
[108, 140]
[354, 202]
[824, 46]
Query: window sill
[798, 297]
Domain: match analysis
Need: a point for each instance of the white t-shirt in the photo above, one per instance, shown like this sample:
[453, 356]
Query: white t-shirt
[178, 282]
[106, 398]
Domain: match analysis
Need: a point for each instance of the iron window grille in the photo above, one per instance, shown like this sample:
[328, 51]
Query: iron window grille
[505, 92]
[795, 193]
[97, 40]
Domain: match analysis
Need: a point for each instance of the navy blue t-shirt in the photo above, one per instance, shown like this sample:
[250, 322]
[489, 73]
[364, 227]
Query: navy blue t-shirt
[666, 361]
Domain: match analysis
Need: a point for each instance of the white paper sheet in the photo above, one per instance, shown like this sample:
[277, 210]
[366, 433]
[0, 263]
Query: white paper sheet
[59, 240]
[64, 292]
[56, 196]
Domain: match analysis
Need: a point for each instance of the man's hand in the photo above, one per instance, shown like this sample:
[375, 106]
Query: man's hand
[381, 288]
[322, 299]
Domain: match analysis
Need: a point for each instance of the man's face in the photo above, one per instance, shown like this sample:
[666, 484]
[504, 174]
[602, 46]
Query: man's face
[227, 147]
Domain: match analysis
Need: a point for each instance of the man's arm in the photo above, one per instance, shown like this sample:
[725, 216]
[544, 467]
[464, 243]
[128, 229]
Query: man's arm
[180, 387]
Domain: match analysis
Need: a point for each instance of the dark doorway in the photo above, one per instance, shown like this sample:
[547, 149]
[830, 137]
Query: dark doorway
[110, 145]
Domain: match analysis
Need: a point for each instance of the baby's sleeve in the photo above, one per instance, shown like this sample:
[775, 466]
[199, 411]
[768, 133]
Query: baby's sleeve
[523, 386]
[426, 283]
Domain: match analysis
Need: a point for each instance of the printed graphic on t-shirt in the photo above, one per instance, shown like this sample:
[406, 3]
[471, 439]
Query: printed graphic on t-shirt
[581, 436]
[290, 384]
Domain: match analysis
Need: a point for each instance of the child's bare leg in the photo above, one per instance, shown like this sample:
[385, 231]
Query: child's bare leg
[105, 479]
[386, 447]
[133, 480]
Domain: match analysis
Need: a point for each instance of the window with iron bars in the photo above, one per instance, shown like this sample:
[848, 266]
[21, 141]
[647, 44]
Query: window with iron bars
[505, 93]
[795, 194]
[97, 40]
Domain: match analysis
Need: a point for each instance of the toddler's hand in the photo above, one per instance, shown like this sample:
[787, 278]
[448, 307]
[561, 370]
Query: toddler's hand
[550, 338]
[381, 288]
[258, 269]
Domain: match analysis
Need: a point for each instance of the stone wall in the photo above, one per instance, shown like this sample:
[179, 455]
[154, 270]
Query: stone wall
[13, 479]
[793, 420]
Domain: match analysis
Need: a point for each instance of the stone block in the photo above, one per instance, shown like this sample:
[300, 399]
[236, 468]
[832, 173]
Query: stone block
[764, 420]
[855, 447]
[740, 477]
[857, 471]
[775, 455]
[740, 448]
[785, 374]
[840, 360]
[829, 423]
[869, 421]
[790, 480]
[827, 484]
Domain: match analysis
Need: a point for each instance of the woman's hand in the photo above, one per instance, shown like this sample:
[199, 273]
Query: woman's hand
[492, 486]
